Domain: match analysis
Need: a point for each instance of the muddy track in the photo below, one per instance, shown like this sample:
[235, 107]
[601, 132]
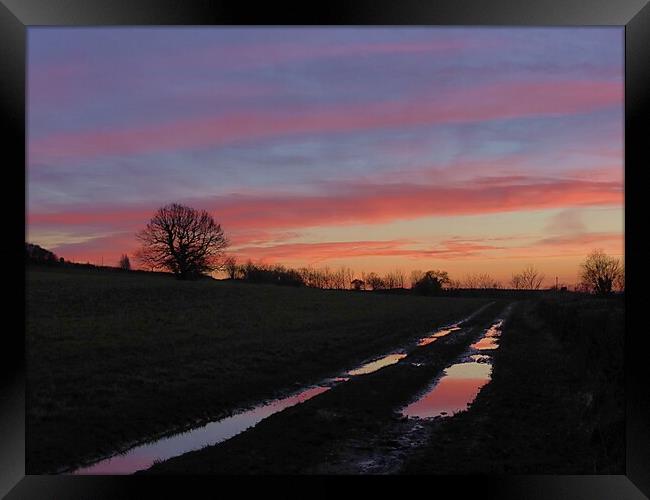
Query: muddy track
[353, 428]
[537, 415]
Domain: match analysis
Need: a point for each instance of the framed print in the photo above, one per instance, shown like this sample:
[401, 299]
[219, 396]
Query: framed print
[388, 240]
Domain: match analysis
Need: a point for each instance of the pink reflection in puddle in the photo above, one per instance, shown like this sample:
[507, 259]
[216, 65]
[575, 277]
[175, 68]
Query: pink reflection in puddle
[446, 330]
[457, 388]
[142, 457]
[460, 382]
[489, 340]
[375, 365]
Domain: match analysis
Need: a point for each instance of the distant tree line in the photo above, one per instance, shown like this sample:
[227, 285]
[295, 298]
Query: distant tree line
[190, 244]
[599, 274]
[326, 278]
[35, 254]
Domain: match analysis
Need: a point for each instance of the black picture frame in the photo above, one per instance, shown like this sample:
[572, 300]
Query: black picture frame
[18, 15]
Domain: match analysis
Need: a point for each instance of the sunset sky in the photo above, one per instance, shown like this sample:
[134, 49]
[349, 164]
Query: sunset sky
[464, 149]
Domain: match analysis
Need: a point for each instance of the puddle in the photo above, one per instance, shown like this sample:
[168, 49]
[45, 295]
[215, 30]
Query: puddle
[446, 330]
[459, 384]
[440, 333]
[143, 457]
[393, 358]
[489, 340]
[458, 387]
[375, 365]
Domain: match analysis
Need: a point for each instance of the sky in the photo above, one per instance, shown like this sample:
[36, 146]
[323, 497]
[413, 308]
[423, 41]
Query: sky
[464, 149]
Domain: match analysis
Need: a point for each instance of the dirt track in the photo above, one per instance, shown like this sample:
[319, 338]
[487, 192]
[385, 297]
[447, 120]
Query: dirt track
[353, 428]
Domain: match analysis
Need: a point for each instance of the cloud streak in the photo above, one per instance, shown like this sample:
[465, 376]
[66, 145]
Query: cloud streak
[300, 140]
[369, 204]
[483, 103]
[374, 204]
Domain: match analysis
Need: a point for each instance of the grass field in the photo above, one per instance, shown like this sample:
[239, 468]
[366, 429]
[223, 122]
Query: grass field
[115, 357]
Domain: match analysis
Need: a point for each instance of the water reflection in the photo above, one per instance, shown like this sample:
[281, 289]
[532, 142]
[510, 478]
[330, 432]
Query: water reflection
[458, 387]
[460, 382]
[489, 340]
[446, 330]
[375, 365]
[142, 457]
[440, 333]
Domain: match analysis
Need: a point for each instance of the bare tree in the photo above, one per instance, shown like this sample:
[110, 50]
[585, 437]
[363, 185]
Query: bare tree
[528, 279]
[599, 272]
[374, 281]
[358, 284]
[416, 276]
[619, 282]
[470, 281]
[394, 279]
[231, 267]
[185, 241]
[326, 277]
[482, 280]
[454, 284]
[441, 276]
[341, 278]
[125, 263]
[431, 282]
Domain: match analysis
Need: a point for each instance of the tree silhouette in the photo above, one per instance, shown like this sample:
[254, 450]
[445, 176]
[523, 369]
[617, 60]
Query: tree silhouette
[231, 267]
[600, 272]
[619, 282]
[182, 240]
[528, 279]
[358, 284]
[125, 263]
[374, 281]
[37, 254]
[431, 282]
[481, 280]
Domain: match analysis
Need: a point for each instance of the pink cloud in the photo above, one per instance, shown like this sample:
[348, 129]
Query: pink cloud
[488, 102]
[108, 249]
[384, 203]
[450, 249]
[316, 252]
[325, 251]
[581, 239]
[366, 204]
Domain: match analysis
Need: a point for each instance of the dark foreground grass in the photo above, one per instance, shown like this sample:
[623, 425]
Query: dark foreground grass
[114, 358]
[555, 403]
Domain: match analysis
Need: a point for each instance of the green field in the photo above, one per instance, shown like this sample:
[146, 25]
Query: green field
[115, 357]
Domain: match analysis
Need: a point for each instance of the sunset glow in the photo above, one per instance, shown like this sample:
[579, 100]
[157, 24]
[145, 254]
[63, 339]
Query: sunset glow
[463, 149]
